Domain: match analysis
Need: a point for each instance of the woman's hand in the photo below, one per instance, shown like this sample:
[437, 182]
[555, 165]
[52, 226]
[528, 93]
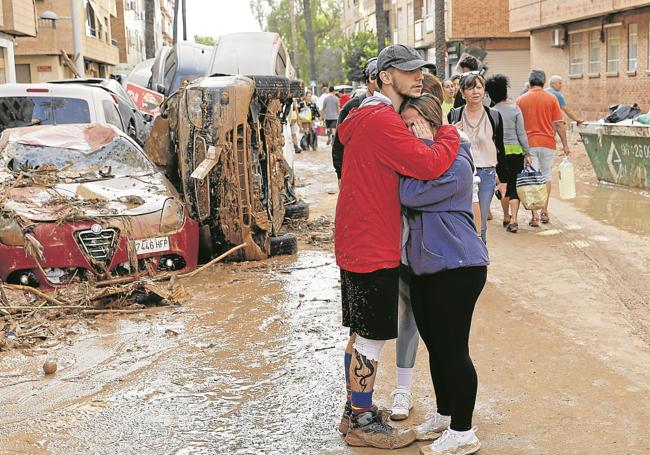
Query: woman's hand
[422, 130]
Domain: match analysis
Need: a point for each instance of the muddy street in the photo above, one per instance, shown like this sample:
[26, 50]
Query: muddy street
[252, 363]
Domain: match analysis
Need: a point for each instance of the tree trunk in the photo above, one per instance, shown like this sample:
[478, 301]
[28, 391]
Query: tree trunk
[310, 39]
[175, 31]
[380, 19]
[149, 25]
[295, 55]
[441, 41]
[184, 10]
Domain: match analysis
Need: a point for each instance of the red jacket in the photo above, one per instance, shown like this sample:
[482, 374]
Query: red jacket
[378, 149]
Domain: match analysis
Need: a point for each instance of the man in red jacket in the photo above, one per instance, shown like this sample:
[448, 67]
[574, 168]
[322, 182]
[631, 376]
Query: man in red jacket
[379, 148]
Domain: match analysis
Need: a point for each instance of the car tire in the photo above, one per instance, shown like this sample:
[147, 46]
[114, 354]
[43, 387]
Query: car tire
[284, 244]
[274, 87]
[206, 245]
[296, 88]
[297, 211]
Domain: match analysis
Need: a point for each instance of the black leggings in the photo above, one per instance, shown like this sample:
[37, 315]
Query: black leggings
[443, 304]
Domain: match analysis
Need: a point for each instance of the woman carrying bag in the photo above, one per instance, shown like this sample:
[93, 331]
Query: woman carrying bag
[307, 114]
[484, 127]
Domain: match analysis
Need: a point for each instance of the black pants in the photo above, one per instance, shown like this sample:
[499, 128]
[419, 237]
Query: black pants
[443, 304]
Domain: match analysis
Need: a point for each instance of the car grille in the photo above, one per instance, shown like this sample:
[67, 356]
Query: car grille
[100, 247]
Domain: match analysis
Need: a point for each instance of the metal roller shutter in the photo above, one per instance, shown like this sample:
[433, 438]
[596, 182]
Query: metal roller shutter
[513, 63]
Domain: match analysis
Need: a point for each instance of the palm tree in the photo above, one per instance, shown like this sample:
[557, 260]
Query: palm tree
[380, 18]
[441, 42]
[310, 38]
[149, 32]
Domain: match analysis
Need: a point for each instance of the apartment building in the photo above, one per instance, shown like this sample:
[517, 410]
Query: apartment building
[166, 22]
[601, 48]
[17, 18]
[41, 59]
[481, 30]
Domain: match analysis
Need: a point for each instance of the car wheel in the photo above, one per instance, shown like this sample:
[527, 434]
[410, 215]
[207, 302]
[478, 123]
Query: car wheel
[284, 244]
[296, 88]
[206, 245]
[297, 211]
[274, 87]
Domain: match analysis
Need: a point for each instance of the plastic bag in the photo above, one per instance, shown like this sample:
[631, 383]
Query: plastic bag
[567, 179]
[305, 114]
[531, 189]
[619, 112]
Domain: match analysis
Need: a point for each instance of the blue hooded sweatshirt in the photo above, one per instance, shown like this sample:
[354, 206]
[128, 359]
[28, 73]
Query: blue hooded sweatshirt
[442, 234]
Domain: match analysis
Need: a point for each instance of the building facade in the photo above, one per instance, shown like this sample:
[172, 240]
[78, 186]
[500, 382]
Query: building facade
[484, 34]
[41, 59]
[601, 48]
[17, 18]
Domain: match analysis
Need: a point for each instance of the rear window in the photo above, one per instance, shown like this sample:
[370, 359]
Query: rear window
[18, 111]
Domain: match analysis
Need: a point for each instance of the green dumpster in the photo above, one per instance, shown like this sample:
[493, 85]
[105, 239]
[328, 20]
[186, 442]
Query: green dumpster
[618, 153]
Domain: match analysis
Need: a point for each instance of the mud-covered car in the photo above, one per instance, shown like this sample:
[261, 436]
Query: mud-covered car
[224, 136]
[83, 202]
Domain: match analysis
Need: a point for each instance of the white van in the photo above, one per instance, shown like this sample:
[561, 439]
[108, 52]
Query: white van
[56, 104]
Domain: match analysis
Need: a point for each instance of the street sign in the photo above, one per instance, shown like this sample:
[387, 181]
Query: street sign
[147, 100]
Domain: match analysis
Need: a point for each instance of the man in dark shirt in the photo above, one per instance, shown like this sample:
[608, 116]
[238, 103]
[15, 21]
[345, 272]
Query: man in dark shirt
[370, 75]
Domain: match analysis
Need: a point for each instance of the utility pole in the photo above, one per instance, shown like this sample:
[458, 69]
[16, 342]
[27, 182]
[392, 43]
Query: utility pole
[78, 22]
[175, 32]
[294, 38]
[184, 21]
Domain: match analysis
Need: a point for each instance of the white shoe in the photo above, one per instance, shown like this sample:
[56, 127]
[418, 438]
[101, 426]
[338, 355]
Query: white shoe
[402, 404]
[432, 428]
[454, 443]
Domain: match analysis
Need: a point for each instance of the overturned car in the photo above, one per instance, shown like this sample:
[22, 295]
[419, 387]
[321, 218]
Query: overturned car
[221, 139]
[84, 203]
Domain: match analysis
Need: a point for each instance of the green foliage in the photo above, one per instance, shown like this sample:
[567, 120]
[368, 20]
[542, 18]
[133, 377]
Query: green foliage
[361, 47]
[328, 37]
[207, 40]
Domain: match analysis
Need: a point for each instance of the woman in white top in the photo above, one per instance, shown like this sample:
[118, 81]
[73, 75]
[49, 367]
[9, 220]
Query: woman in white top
[484, 127]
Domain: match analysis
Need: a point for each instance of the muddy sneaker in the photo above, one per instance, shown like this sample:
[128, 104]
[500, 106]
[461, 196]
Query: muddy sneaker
[402, 404]
[432, 428]
[345, 419]
[454, 443]
[369, 429]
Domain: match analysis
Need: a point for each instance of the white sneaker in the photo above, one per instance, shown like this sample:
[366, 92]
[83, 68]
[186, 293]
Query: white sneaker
[432, 428]
[453, 444]
[402, 404]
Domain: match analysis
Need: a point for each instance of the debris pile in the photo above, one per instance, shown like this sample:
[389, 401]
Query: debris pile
[318, 232]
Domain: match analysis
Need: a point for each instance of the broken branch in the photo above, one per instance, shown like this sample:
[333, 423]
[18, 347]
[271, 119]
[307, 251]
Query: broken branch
[212, 262]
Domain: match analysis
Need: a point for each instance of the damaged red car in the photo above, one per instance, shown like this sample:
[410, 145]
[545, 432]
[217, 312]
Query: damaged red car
[84, 203]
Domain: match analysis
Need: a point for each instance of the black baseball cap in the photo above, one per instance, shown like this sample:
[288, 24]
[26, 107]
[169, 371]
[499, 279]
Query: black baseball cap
[370, 71]
[403, 58]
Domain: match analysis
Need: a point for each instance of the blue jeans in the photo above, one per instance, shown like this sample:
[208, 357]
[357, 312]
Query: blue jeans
[488, 177]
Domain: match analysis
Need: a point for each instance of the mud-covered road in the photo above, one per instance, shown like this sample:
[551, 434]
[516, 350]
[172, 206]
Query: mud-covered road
[252, 363]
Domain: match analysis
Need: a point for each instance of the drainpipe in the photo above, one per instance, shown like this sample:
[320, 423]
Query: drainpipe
[78, 21]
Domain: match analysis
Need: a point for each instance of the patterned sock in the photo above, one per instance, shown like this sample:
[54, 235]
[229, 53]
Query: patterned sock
[361, 402]
[348, 360]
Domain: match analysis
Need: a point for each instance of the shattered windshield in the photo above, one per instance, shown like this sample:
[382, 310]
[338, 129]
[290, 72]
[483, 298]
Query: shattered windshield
[118, 158]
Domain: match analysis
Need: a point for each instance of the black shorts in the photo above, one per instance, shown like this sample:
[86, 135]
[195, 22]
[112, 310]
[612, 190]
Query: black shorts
[369, 302]
[330, 123]
[514, 165]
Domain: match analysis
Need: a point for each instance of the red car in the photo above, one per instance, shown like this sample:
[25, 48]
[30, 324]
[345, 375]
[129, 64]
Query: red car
[83, 202]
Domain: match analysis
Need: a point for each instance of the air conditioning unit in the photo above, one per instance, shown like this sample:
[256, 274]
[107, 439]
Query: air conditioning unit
[557, 37]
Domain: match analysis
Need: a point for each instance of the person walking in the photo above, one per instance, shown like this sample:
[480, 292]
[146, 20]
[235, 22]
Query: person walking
[307, 114]
[330, 113]
[555, 87]
[484, 127]
[448, 264]
[542, 118]
[515, 144]
[379, 148]
[370, 77]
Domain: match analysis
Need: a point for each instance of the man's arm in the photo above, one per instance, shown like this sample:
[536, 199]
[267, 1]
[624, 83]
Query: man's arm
[571, 115]
[560, 127]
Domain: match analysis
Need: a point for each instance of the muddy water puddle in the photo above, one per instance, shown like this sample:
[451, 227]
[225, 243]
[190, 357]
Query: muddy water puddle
[248, 366]
[619, 206]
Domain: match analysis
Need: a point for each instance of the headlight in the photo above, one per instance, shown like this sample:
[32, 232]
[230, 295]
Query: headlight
[172, 216]
[194, 103]
[11, 234]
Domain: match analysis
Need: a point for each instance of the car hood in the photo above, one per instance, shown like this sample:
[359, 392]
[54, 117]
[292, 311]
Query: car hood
[122, 196]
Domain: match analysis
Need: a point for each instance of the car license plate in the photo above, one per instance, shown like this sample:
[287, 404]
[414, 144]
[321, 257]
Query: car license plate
[146, 246]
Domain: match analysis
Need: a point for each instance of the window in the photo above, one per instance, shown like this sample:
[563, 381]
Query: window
[400, 17]
[575, 53]
[612, 49]
[594, 51]
[429, 7]
[91, 27]
[632, 37]
[409, 13]
[111, 114]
